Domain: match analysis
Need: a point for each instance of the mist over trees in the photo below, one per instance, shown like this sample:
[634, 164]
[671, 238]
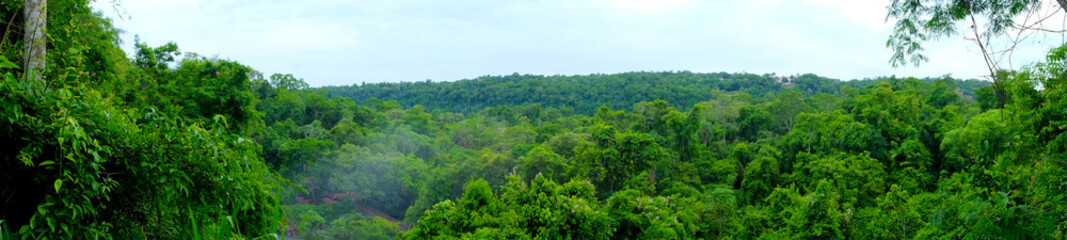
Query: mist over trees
[885, 158]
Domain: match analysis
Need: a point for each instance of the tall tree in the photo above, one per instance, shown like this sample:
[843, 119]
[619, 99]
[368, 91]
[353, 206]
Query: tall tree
[36, 15]
[921, 20]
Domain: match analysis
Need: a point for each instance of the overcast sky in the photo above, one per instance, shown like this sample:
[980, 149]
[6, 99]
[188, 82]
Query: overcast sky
[329, 42]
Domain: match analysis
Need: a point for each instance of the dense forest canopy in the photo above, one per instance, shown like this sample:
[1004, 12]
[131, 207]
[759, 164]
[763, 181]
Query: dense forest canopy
[888, 158]
[164, 144]
[584, 94]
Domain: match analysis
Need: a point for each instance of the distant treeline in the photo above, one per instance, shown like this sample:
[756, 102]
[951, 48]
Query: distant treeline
[584, 94]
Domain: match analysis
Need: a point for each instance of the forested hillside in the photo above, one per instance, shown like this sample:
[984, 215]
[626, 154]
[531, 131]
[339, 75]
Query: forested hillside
[163, 144]
[895, 158]
[584, 94]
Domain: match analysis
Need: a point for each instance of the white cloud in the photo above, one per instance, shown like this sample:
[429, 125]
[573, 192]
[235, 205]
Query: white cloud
[869, 12]
[652, 5]
[345, 42]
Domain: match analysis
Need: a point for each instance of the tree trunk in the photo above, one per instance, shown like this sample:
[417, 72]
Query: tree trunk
[36, 14]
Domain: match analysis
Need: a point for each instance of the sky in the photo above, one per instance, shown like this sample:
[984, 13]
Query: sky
[337, 42]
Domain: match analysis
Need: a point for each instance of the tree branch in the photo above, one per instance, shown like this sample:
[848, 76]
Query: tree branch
[985, 54]
[12, 22]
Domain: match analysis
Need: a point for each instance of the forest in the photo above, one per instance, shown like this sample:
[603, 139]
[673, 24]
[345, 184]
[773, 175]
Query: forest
[584, 94]
[164, 144]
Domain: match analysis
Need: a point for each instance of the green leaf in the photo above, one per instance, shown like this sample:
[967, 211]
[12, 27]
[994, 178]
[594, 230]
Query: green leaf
[46, 163]
[4, 63]
[58, 184]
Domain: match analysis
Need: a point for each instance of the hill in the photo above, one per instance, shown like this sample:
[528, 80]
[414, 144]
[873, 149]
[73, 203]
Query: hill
[585, 93]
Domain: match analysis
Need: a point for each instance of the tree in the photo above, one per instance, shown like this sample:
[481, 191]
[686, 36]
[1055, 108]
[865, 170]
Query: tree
[638, 216]
[922, 20]
[761, 177]
[818, 216]
[542, 161]
[154, 58]
[825, 103]
[287, 82]
[857, 180]
[35, 13]
[637, 152]
[541, 209]
[752, 121]
[353, 227]
[82, 166]
[719, 213]
[311, 222]
[785, 109]
[902, 220]
[976, 145]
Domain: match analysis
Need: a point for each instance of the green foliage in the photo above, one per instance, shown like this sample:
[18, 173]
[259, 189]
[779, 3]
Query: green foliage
[337, 222]
[857, 180]
[818, 216]
[287, 82]
[873, 159]
[639, 216]
[542, 210]
[169, 148]
[129, 149]
[541, 160]
[85, 166]
[892, 158]
[155, 60]
[877, 159]
[372, 229]
[761, 176]
[585, 94]
[975, 145]
[901, 218]
[720, 214]
[918, 21]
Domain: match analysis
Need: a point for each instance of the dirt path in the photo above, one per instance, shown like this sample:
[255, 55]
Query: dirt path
[369, 211]
[360, 206]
